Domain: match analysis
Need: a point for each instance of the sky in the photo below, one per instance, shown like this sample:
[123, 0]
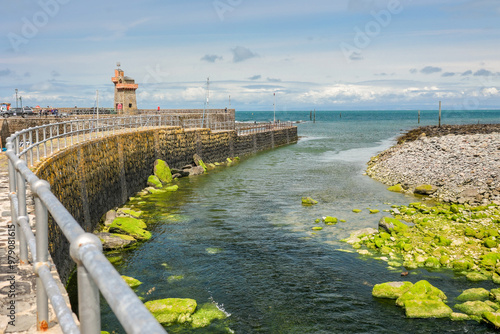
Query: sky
[314, 54]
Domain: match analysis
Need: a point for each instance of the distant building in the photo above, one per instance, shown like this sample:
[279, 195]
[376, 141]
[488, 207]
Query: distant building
[125, 87]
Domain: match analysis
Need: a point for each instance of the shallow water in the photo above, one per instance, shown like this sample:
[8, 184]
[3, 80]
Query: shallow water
[239, 236]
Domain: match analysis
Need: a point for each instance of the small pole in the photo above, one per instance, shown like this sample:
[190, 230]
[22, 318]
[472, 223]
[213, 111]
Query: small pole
[311, 115]
[274, 105]
[314, 120]
[439, 113]
[419, 117]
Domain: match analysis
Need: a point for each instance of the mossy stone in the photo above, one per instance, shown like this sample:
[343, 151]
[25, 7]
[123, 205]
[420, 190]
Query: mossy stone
[162, 171]
[474, 308]
[422, 290]
[308, 201]
[154, 181]
[131, 226]
[427, 308]
[476, 277]
[461, 265]
[356, 210]
[490, 243]
[206, 314]
[331, 220]
[391, 290]
[131, 282]
[459, 316]
[373, 211]
[171, 188]
[317, 228]
[493, 318]
[474, 294]
[432, 262]
[171, 310]
[396, 188]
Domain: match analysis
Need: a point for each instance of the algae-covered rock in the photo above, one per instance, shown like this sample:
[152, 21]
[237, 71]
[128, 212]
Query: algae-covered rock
[459, 316]
[199, 162]
[373, 211]
[111, 241]
[154, 181]
[330, 220]
[171, 188]
[391, 290]
[492, 318]
[131, 282]
[357, 210]
[162, 171]
[427, 308]
[308, 201]
[205, 314]
[420, 291]
[317, 228]
[425, 189]
[127, 212]
[432, 262]
[495, 295]
[172, 310]
[131, 226]
[476, 277]
[476, 307]
[461, 265]
[474, 294]
[390, 224]
[396, 188]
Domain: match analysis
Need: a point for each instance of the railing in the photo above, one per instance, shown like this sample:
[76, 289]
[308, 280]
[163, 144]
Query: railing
[94, 272]
[246, 128]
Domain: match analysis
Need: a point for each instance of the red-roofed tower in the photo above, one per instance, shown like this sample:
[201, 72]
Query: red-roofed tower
[125, 87]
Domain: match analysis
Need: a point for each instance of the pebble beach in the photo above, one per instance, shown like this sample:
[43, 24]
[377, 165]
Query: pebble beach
[459, 164]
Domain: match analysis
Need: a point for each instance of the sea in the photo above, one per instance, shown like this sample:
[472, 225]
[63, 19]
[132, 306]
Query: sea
[238, 237]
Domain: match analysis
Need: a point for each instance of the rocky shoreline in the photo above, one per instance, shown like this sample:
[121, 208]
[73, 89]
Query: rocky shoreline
[457, 164]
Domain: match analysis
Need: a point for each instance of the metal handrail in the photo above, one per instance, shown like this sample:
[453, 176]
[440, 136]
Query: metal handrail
[245, 129]
[94, 272]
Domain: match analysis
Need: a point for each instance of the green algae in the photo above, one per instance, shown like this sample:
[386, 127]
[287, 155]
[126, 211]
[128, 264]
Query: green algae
[154, 181]
[130, 226]
[172, 310]
[474, 294]
[131, 282]
[307, 201]
[396, 188]
[162, 171]
[391, 290]
[206, 314]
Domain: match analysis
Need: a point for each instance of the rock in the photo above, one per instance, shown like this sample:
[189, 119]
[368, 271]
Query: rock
[432, 262]
[373, 211]
[425, 189]
[474, 294]
[476, 277]
[131, 282]
[205, 314]
[459, 317]
[171, 188]
[154, 181]
[391, 290]
[308, 201]
[199, 162]
[476, 307]
[115, 241]
[396, 188]
[356, 210]
[389, 224]
[162, 171]
[131, 226]
[127, 212]
[317, 228]
[492, 318]
[198, 170]
[172, 310]
[427, 309]
[422, 290]
[330, 220]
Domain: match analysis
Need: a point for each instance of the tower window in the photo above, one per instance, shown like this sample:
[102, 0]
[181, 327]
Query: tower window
[130, 105]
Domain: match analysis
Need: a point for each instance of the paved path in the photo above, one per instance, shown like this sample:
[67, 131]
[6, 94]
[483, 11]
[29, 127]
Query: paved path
[17, 283]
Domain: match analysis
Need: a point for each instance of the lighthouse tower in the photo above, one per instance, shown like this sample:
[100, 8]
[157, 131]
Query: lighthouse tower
[125, 87]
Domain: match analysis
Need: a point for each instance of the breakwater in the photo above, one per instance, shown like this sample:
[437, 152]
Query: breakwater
[92, 177]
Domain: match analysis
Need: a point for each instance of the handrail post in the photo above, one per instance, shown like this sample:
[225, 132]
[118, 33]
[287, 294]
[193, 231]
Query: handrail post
[88, 292]
[42, 255]
[21, 195]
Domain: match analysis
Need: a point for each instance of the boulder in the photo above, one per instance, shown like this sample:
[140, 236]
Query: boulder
[205, 314]
[131, 282]
[308, 201]
[171, 188]
[390, 224]
[474, 294]
[115, 241]
[425, 189]
[127, 212]
[477, 308]
[396, 188]
[198, 170]
[330, 220]
[162, 171]
[199, 162]
[422, 290]
[391, 290]
[427, 309]
[154, 181]
[172, 310]
[131, 226]
[493, 318]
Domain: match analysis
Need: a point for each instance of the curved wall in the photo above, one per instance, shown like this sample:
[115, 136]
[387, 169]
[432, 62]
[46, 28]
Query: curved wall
[93, 177]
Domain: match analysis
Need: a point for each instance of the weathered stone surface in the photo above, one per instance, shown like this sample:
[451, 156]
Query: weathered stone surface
[115, 241]
[425, 189]
[198, 170]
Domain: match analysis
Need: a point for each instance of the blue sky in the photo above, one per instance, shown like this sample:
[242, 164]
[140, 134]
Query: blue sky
[328, 55]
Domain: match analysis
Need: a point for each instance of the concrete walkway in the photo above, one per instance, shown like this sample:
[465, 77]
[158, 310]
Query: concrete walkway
[18, 283]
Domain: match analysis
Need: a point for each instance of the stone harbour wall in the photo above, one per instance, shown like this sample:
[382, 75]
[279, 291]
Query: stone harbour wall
[95, 176]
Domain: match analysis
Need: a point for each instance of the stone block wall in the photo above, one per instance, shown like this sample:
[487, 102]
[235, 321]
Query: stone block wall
[93, 177]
